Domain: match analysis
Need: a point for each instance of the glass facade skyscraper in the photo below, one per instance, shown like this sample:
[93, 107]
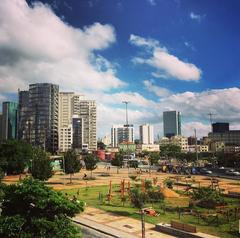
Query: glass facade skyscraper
[9, 120]
[171, 123]
[38, 115]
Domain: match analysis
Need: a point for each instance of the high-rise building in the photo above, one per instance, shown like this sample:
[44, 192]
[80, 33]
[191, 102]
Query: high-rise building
[65, 138]
[171, 123]
[23, 116]
[146, 134]
[77, 124]
[72, 106]
[39, 125]
[68, 104]
[88, 112]
[220, 127]
[65, 109]
[9, 120]
[121, 133]
[106, 140]
[1, 135]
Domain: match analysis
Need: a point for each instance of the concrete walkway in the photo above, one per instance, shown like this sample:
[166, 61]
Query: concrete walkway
[115, 225]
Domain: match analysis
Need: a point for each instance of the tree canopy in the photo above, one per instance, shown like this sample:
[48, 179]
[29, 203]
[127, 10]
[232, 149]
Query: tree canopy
[170, 150]
[117, 161]
[41, 167]
[91, 162]
[15, 156]
[71, 163]
[31, 209]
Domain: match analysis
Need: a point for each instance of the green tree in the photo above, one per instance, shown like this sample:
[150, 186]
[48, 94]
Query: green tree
[31, 209]
[117, 161]
[1, 174]
[170, 150]
[15, 156]
[138, 198]
[91, 162]
[71, 163]
[101, 145]
[154, 157]
[41, 167]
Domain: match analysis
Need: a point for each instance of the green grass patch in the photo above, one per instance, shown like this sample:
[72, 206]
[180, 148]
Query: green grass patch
[168, 210]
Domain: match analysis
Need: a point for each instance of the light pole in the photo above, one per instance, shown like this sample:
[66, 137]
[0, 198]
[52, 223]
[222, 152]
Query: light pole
[196, 148]
[127, 125]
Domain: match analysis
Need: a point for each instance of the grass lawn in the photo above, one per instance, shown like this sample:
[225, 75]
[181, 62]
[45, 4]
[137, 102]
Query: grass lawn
[167, 210]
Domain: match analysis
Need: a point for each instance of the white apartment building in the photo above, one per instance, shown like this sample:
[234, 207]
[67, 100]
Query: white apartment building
[70, 105]
[65, 138]
[200, 148]
[146, 134]
[88, 111]
[181, 141]
[106, 140]
[148, 147]
[121, 133]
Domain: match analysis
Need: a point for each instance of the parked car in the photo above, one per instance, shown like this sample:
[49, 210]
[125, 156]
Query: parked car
[232, 172]
[205, 171]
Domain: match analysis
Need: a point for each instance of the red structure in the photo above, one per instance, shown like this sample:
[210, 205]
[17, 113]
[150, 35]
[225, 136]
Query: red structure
[101, 154]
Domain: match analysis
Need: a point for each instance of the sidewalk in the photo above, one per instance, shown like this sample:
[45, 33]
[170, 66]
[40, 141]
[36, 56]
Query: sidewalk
[117, 226]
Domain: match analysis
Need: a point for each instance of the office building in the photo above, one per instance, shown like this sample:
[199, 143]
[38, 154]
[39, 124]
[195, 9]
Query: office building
[121, 133]
[171, 123]
[146, 134]
[39, 115]
[1, 127]
[220, 127]
[88, 112]
[23, 116]
[77, 124]
[192, 140]
[231, 137]
[9, 120]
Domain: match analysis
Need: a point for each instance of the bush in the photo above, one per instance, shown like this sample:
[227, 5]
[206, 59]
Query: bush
[169, 183]
[155, 196]
[104, 175]
[207, 198]
[133, 177]
[148, 184]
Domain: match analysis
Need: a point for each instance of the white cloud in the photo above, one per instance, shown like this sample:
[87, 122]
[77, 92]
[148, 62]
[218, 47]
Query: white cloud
[194, 106]
[109, 115]
[37, 46]
[152, 2]
[201, 129]
[140, 41]
[159, 91]
[165, 63]
[196, 17]
[224, 103]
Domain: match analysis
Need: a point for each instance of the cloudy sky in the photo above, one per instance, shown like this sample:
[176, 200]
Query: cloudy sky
[158, 54]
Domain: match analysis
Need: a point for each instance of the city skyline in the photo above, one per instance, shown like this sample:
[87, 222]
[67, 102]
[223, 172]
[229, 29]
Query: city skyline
[170, 59]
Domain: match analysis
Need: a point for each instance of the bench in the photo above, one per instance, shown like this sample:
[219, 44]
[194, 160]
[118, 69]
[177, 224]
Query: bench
[183, 227]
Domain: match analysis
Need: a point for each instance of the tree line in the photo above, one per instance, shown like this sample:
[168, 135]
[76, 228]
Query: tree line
[17, 157]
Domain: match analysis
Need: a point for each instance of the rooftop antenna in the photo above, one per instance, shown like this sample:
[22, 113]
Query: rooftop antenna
[211, 119]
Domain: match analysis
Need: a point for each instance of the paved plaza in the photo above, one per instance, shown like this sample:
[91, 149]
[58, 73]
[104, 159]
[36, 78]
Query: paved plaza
[116, 225]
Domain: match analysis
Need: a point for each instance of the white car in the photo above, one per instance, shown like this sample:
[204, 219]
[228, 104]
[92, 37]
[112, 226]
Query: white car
[232, 172]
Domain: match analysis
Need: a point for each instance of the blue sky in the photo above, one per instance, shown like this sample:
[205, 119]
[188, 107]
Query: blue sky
[158, 54]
